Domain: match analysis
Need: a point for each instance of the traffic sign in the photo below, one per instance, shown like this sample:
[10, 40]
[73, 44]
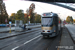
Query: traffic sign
[9, 22]
[5, 20]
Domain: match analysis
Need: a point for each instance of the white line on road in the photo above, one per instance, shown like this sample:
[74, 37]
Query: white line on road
[26, 42]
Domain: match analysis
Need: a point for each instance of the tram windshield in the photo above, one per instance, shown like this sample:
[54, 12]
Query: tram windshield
[46, 20]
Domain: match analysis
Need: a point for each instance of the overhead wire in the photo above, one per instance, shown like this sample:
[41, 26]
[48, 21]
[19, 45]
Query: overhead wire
[56, 7]
[40, 7]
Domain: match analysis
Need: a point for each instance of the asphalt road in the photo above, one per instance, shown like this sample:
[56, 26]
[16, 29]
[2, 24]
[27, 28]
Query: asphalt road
[66, 42]
[30, 41]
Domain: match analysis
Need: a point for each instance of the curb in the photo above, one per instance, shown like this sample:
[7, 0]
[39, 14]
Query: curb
[21, 31]
[6, 31]
[70, 35]
[15, 35]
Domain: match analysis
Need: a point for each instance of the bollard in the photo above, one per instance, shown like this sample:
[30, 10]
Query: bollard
[10, 29]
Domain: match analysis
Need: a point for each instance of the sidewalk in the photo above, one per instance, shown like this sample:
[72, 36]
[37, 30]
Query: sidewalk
[66, 41]
[13, 28]
[6, 29]
[7, 35]
[71, 29]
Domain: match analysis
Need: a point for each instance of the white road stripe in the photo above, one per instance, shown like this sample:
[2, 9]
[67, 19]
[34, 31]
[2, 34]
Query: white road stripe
[26, 42]
[15, 48]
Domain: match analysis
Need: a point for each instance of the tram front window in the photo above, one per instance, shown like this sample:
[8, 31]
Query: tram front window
[46, 21]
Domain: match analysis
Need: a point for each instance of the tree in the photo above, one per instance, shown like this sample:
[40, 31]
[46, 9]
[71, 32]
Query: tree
[19, 15]
[3, 12]
[38, 18]
[25, 18]
[69, 19]
[12, 17]
[74, 20]
[31, 10]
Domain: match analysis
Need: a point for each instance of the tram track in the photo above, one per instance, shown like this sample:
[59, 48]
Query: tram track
[36, 44]
[22, 38]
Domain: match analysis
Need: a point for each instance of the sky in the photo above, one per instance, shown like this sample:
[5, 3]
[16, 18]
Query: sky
[12, 6]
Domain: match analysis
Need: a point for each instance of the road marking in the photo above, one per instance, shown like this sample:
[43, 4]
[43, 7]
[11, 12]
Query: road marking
[26, 42]
[15, 48]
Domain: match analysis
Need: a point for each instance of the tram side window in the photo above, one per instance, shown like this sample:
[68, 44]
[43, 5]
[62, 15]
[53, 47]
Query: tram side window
[55, 20]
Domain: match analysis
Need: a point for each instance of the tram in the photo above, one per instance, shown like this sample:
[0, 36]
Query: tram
[50, 24]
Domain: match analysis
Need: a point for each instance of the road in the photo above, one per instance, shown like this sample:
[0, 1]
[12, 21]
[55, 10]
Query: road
[30, 41]
[71, 28]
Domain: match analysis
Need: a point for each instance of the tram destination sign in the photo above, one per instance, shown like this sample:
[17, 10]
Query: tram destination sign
[47, 14]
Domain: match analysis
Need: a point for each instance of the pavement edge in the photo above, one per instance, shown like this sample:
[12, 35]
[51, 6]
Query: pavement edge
[70, 35]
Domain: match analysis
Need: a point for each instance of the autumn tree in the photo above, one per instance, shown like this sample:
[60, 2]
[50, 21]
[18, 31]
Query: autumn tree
[74, 20]
[69, 19]
[31, 10]
[12, 17]
[25, 18]
[19, 15]
[38, 18]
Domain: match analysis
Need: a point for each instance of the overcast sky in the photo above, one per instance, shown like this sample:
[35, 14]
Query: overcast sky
[12, 6]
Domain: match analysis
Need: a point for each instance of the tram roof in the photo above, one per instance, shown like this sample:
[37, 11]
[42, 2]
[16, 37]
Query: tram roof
[50, 14]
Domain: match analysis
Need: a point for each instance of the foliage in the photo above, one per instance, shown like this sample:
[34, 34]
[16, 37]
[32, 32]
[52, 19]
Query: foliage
[74, 20]
[2, 18]
[12, 17]
[19, 15]
[25, 18]
[69, 19]
[38, 18]
[31, 10]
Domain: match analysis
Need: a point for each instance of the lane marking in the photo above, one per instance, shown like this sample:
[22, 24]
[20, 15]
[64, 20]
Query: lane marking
[26, 42]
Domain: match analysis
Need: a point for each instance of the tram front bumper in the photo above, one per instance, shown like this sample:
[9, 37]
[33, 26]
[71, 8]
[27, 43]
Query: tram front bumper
[46, 34]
